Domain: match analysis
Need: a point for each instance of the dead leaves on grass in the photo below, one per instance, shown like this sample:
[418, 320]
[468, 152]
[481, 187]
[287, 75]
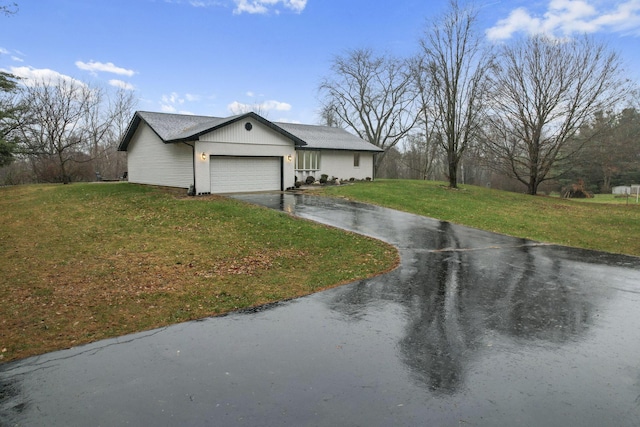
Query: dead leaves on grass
[251, 264]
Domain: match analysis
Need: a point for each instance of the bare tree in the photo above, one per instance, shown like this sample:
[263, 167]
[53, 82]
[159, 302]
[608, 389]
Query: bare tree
[55, 129]
[121, 107]
[545, 91]
[455, 62]
[106, 122]
[372, 96]
[422, 156]
[329, 117]
[423, 145]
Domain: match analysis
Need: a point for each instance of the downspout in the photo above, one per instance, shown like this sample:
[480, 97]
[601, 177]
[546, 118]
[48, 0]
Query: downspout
[192, 190]
[373, 172]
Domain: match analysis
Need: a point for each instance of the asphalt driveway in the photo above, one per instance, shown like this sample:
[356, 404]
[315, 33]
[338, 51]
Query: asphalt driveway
[472, 329]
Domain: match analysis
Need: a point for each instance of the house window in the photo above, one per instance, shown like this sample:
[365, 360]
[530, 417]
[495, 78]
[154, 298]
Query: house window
[356, 160]
[307, 160]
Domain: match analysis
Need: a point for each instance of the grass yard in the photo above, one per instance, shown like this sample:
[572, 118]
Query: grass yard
[611, 199]
[610, 227]
[84, 262]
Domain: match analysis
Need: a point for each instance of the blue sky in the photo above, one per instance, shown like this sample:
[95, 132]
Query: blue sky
[210, 57]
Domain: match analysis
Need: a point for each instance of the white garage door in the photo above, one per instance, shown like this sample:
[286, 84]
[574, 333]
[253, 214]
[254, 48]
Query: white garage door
[241, 174]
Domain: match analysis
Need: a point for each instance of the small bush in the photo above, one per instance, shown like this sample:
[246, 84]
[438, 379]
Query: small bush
[323, 178]
[310, 180]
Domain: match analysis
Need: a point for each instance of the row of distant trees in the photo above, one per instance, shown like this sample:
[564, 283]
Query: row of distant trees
[535, 110]
[61, 130]
[606, 154]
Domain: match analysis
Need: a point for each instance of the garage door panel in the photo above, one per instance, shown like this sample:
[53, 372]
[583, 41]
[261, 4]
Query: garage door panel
[242, 174]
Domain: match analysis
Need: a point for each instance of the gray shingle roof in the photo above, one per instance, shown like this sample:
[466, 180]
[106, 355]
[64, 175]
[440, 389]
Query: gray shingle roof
[328, 138]
[173, 126]
[181, 127]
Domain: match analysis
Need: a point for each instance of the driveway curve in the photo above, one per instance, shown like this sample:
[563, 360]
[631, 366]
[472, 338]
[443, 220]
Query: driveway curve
[472, 328]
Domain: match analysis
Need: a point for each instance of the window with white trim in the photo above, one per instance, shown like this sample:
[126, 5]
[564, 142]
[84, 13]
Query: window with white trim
[356, 160]
[307, 160]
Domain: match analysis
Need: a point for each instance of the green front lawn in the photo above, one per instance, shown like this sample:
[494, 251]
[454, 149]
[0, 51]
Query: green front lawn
[602, 226]
[83, 262]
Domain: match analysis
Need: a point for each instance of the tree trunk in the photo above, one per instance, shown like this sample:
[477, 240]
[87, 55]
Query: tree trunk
[453, 172]
[63, 170]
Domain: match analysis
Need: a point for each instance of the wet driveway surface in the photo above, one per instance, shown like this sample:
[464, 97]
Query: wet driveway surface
[472, 329]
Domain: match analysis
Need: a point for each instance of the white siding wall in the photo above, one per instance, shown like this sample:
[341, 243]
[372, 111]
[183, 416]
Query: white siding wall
[150, 161]
[236, 132]
[340, 164]
[235, 140]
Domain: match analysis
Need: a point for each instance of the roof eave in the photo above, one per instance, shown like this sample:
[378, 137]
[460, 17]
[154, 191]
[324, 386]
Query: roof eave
[365, 150]
[131, 130]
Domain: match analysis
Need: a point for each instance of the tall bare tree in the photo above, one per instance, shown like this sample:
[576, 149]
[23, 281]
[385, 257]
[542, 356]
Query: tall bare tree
[105, 124]
[121, 107]
[372, 96]
[545, 91]
[422, 147]
[455, 62]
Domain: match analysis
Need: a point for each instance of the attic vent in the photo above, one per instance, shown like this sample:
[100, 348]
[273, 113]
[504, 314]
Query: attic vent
[248, 126]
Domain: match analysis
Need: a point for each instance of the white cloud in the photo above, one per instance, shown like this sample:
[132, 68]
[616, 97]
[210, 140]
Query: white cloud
[172, 98]
[191, 97]
[625, 18]
[174, 102]
[171, 109]
[240, 108]
[265, 6]
[14, 57]
[108, 67]
[168, 108]
[31, 76]
[121, 84]
[567, 17]
[518, 20]
[275, 105]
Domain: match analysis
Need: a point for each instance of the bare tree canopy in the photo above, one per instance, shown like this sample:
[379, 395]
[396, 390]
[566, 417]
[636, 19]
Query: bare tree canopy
[454, 63]
[56, 113]
[68, 123]
[544, 92]
[8, 8]
[372, 96]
